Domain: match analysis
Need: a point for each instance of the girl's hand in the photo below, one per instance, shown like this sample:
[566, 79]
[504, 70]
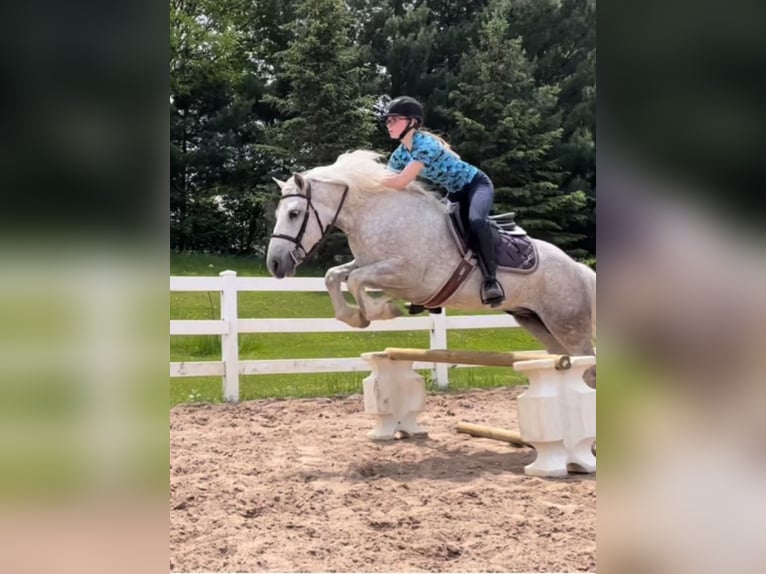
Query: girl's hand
[403, 179]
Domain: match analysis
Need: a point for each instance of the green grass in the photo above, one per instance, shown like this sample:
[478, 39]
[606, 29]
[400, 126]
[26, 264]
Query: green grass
[211, 264]
[200, 305]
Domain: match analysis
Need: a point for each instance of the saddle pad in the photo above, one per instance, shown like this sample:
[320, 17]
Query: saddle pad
[515, 252]
[514, 249]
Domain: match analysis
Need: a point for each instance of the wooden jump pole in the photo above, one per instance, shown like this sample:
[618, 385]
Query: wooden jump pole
[489, 359]
[494, 433]
[491, 432]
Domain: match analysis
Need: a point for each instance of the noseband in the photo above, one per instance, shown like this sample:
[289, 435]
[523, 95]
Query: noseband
[299, 254]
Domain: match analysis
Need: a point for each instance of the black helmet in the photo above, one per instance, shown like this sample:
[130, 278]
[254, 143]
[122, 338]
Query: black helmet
[405, 106]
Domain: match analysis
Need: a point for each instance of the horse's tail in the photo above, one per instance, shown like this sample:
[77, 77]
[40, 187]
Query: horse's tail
[590, 277]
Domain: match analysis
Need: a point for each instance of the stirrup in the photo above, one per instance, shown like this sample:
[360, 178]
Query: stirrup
[496, 299]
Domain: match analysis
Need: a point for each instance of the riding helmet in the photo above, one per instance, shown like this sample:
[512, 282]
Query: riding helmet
[407, 107]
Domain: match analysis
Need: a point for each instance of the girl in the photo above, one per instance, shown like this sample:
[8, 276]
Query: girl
[425, 154]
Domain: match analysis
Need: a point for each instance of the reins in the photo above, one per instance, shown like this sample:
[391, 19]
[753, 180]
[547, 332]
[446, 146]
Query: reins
[299, 254]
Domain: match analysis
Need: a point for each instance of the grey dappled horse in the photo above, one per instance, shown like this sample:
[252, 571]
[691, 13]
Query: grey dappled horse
[402, 245]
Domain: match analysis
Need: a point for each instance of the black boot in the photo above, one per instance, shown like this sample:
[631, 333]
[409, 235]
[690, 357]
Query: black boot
[492, 293]
[415, 309]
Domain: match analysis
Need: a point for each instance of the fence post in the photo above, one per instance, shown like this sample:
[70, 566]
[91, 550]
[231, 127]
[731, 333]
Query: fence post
[230, 340]
[439, 341]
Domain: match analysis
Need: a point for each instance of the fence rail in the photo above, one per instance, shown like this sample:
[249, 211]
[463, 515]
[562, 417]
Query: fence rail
[230, 367]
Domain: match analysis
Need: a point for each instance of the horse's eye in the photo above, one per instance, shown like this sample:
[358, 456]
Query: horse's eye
[293, 214]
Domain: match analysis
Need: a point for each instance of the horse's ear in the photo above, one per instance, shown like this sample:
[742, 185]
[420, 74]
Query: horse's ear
[299, 181]
[280, 183]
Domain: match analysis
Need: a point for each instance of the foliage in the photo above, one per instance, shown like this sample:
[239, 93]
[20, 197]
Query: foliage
[262, 89]
[508, 126]
[326, 113]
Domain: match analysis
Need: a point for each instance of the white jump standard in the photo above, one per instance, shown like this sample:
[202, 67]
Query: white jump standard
[557, 413]
[557, 416]
[394, 394]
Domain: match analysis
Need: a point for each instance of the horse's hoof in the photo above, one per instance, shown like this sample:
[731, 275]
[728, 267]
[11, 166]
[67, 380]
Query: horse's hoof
[356, 320]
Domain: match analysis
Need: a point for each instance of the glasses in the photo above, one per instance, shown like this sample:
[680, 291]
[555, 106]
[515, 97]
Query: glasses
[393, 119]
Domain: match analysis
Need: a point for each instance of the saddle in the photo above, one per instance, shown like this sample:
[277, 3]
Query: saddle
[514, 251]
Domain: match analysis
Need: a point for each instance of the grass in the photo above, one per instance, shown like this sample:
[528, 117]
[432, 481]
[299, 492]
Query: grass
[200, 305]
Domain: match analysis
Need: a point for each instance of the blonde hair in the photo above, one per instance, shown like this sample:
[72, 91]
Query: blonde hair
[441, 141]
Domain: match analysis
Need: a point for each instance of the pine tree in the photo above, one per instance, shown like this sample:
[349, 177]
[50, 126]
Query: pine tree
[560, 37]
[290, 85]
[421, 48]
[508, 126]
[326, 109]
[221, 163]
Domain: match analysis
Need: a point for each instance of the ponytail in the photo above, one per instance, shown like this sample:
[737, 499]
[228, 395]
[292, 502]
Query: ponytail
[441, 141]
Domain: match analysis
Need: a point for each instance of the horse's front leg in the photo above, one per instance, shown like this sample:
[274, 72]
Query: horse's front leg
[343, 311]
[378, 276]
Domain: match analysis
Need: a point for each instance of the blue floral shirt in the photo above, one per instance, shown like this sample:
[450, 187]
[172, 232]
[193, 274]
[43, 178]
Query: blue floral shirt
[439, 165]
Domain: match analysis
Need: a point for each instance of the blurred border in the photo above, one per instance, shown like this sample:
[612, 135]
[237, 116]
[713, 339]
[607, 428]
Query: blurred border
[83, 295]
[681, 296]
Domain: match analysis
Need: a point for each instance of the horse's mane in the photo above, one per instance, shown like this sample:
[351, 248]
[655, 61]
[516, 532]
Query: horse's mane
[362, 171]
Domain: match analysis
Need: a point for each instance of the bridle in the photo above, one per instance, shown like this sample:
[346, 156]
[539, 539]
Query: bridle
[299, 254]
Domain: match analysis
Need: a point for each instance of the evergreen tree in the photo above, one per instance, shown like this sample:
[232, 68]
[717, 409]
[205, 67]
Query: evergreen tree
[267, 88]
[199, 94]
[577, 151]
[457, 24]
[421, 48]
[509, 126]
[327, 112]
[407, 57]
[560, 37]
[220, 159]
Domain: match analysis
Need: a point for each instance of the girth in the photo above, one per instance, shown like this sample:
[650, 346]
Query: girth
[517, 252]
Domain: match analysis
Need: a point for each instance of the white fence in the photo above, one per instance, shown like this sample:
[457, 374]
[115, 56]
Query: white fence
[229, 326]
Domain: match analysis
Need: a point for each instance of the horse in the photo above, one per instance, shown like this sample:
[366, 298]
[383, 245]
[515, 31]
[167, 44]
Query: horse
[402, 245]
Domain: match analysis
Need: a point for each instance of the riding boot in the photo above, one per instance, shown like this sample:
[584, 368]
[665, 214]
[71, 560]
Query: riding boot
[492, 293]
[415, 309]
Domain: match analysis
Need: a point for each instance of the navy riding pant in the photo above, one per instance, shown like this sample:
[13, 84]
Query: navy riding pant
[475, 201]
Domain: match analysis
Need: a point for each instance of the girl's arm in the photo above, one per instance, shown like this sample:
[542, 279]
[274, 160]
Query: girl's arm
[405, 177]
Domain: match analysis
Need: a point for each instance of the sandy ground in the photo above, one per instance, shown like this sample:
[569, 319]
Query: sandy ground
[295, 485]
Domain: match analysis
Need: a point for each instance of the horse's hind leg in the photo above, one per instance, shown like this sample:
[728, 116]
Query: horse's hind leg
[573, 339]
[532, 323]
[575, 335]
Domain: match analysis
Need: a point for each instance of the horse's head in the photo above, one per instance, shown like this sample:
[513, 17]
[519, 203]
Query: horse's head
[303, 217]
